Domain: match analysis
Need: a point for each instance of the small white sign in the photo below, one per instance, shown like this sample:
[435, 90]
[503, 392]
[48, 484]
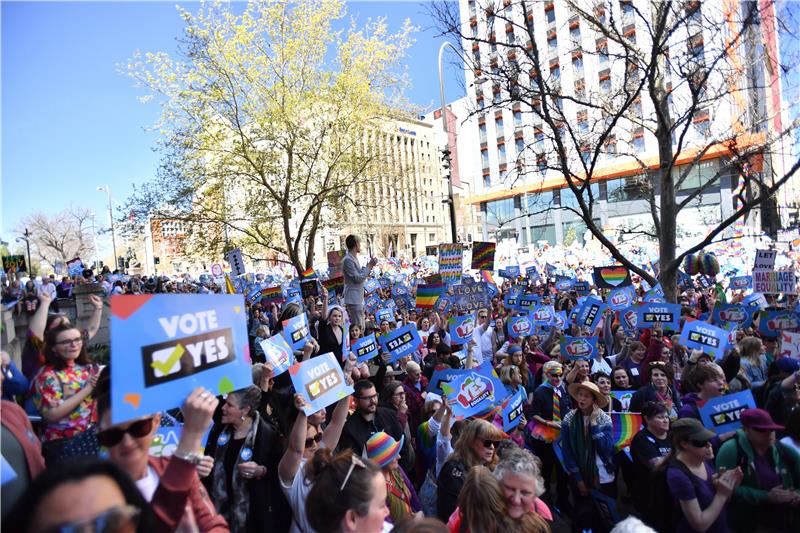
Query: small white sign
[765, 260]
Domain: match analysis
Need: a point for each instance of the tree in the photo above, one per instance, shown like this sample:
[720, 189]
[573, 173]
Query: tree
[266, 123]
[59, 237]
[688, 74]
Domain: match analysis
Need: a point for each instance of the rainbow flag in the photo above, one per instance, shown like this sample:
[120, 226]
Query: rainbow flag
[542, 432]
[483, 255]
[428, 294]
[308, 273]
[271, 294]
[487, 277]
[625, 427]
[334, 284]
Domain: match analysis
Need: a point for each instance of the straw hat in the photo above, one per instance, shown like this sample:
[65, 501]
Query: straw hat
[599, 398]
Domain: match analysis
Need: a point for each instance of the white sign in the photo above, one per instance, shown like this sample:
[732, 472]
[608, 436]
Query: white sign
[790, 344]
[234, 259]
[216, 271]
[782, 281]
[765, 260]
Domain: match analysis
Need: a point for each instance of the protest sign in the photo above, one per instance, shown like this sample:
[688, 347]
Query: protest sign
[590, 313]
[771, 323]
[543, 315]
[14, 263]
[384, 314]
[427, 295]
[443, 376]
[755, 301]
[532, 273]
[582, 288]
[721, 414]
[278, 353]
[473, 393]
[272, 294]
[560, 320]
[666, 314]
[163, 346]
[738, 315]
[741, 283]
[621, 298]
[75, 267]
[334, 284]
[461, 328]
[775, 282]
[365, 348]
[309, 288]
[628, 319]
[401, 342]
[611, 277]
[451, 258]
[511, 301]
[385, 282]
[526, 301]
[295, 331]
[320, 382]
[511, 410]
[577, 348]
[470, 296]
[431, 250]
[483, 255]
[765, 260]
[513, 271]
[234, 259]
[519, 326]
[443, 305]
[371, 285]
[165, 441]
[564, 284]
[624, 397]
[790, 345]
[705, 337]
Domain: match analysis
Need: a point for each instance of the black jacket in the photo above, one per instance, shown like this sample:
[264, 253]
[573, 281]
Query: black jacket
[451, 480]
[357, 431]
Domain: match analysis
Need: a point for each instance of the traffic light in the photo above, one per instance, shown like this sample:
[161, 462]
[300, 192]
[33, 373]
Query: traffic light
[446, 159]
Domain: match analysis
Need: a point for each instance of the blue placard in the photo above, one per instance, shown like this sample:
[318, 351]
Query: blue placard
[371, 285]
[296, 332]
[520, 326]
[401, 342]
[668, 315]
[582, 288]
[628, 319]
[564, 284]
[532, 273]
[399, 291]
[278, 353]
[590, 313]
[163, 346]
[721, 414]
[444, 375]
[384, 314]
[705, 337]
[740, 283]
[293, 292]
[738, 315]
[365, 348]
[771, 323]
[624, 397]
[619, 299]
[513, 271]
[527, 301]
[512, 410]
[6, 471]
[442, 305]
[755, 301]
[475, 392]
[511, 302]
[384, 282]
[577, 348]
[560, 320]
[543, 315]
[461, 328]
[320, 381]
[372, 303]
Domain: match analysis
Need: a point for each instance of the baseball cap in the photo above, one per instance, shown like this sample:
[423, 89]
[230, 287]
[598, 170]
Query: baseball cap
[690, 429]
[758, 419]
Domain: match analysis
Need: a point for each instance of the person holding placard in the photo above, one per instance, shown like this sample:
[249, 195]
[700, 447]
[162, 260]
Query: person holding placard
[171, 484]
[769, 493]
[354, 277]
[661, 389]
[246, 452]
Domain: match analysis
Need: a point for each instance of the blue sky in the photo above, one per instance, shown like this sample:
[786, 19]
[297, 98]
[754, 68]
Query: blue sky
[71, 121]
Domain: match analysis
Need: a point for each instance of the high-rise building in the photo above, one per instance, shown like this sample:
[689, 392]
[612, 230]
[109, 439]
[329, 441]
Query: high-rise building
[522, 195]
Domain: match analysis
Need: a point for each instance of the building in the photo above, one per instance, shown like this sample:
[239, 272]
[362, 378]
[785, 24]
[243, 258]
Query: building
[403, 211]
[521, 196]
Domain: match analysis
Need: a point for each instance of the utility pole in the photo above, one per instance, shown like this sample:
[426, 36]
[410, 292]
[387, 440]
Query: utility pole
[107, 190]
[449, 200]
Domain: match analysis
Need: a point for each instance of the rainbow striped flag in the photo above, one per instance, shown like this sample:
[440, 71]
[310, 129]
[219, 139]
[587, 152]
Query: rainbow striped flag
[334, 284]
[308, 273]
[428, 294]
[542, 432]
[625, 427]
[271, 294]
[483, 255]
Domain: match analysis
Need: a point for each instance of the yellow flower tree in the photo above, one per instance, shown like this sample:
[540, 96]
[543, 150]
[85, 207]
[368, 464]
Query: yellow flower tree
[265, 123]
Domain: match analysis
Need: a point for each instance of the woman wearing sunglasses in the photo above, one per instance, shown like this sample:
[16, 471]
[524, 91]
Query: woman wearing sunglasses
[62, 391]
[701, 494]
[476, 446]
[304, 440]
[169, 483]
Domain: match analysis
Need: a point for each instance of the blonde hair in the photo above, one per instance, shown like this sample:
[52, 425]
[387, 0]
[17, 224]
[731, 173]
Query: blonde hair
[750, 348]
[475, 429]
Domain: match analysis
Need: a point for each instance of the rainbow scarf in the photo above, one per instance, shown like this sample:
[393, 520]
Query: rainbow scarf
[625, 426]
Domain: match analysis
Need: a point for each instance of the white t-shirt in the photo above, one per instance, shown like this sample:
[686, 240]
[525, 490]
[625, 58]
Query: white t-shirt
[148, 484]
[601, 366]
[297, 494]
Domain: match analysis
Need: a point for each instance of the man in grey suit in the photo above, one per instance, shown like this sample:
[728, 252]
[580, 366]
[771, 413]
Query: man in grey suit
[354, 277]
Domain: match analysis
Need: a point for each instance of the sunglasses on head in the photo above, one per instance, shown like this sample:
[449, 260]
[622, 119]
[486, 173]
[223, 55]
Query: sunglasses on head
[489, 443]
[113, 436]
[312, 440]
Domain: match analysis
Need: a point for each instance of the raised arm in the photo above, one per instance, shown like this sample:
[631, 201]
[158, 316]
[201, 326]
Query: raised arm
[334, 430]
[290, 462]
[93, 324]
[39, 318]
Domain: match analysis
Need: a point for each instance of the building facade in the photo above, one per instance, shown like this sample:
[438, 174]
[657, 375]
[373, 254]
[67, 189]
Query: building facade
[519, 193]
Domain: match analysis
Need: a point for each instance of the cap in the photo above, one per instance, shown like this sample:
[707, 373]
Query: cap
[599, 397]
[691, 429]
[382, 448]
[758, 419]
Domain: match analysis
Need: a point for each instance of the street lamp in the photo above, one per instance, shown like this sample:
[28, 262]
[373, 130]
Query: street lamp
[107, 190]
[26, 237]
[450, 202]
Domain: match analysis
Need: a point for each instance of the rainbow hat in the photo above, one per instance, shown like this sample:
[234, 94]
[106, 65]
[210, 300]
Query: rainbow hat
[382, 448]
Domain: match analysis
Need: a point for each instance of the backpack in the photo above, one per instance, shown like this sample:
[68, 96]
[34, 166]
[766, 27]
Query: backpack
[663, 511]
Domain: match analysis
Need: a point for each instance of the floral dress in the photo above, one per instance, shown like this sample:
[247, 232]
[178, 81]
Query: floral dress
[51, 387]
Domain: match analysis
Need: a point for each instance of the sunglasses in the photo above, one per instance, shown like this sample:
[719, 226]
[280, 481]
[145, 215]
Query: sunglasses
[113, 436]
[118, 518]
[355, 461]
[555, 374]
[315, 439]
[68, 342]
[699, 443]
[489, 443]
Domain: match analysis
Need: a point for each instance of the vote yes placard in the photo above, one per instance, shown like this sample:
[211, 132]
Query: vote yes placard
[703, 336]
[320, 381]
[722, 414]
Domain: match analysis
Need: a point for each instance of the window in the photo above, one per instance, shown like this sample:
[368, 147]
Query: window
[626, 189]
[575, 231]
[605, 85]
[499, 212]
[487, 180]
[496, 98]
[575, 36]
[482, 132]
[544, 233]
[638, 143]
[517, 118]
[538, 137]
[701, 174]
[568, 199]
[627, 13]
[431, 237]
[577, 67]
[552, 47]
[550, 15]
[519, 144]
[501, 153]
[498, 124]
[541, 163]
[555, 74]
[485, 158]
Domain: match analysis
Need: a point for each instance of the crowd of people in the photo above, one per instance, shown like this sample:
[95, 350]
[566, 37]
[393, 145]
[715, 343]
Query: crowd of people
[393, 456]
